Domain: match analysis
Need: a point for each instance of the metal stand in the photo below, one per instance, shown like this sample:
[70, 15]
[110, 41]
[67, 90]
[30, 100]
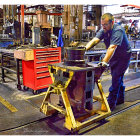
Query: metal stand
[60, 88]
[9, 67]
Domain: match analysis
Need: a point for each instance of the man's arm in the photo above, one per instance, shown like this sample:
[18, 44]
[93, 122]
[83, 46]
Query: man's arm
[110, 52]
[92, 43]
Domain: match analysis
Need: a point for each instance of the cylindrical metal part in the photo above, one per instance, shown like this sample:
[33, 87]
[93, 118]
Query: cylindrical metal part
[45, 36]
[42, 17]
[74, 56]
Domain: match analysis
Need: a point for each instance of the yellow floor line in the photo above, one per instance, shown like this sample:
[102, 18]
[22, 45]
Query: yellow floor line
[106, 94]
[127, 89]
[43, 93]
[8, 105]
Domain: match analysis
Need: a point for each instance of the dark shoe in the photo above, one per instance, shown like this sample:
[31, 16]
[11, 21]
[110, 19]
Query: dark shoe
[120, 102]
[112, 105]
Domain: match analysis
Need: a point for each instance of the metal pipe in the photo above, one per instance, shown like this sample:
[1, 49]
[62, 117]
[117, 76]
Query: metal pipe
[19, 15]
[22, 24]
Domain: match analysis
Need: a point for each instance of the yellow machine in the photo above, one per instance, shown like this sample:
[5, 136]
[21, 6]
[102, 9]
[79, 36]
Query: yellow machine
[74, 86]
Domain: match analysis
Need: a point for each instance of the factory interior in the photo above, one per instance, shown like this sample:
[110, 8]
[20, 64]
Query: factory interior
[51, 85]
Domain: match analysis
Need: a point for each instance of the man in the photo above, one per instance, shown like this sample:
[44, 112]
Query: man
[117, 55]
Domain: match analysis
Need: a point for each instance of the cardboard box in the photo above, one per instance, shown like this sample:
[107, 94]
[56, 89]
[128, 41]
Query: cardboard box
[24, 54]
[91, 28]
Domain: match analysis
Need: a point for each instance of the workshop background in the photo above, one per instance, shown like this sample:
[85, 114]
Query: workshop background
[49, 84]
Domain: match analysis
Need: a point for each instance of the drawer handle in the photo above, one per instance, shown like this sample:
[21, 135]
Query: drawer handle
[47, 53]
[42, 72]
[41, 58]
[41, 77]
[46, 56]
[42, 67]
[47, 61]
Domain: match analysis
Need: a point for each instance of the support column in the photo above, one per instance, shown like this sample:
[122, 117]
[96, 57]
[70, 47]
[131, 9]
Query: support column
[22, 24]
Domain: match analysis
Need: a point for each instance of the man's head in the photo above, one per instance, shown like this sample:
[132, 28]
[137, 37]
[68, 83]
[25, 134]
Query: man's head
[107, 21]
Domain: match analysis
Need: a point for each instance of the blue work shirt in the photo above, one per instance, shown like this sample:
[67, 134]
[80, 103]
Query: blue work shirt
[116, 36]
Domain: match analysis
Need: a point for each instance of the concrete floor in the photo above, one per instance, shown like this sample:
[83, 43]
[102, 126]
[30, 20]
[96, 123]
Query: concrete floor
[28, 120]
[125, 123]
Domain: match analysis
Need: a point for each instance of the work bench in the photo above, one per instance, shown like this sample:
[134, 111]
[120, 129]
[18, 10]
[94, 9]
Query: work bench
[8, 63]
[99, 54]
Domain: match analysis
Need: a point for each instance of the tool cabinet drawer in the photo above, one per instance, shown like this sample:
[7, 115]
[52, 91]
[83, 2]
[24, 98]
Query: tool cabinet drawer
[46, 54]
[47, 58]
[42, 74]
[45, 63]
[43, 82]
[42, 69]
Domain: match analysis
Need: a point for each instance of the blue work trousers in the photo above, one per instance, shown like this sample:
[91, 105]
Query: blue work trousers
[117, 89]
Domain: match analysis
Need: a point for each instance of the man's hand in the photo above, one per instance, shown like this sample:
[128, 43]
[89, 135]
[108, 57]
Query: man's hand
[103, 64]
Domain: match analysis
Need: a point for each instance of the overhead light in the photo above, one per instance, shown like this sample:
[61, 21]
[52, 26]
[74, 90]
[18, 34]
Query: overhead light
[123, 16]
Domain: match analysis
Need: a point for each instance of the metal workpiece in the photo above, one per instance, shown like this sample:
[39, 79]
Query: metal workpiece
[75, 56]
[74, 86]
[73, 82]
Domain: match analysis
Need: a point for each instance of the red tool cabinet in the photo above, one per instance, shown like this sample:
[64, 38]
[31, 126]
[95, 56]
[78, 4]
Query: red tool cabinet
[35, 72]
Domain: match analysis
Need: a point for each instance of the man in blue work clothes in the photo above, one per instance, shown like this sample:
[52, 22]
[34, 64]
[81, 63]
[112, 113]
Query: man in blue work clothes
[118, 56]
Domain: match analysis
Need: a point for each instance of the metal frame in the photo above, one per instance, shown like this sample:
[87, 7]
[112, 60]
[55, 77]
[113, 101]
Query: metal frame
[9, 67]
[72, 123]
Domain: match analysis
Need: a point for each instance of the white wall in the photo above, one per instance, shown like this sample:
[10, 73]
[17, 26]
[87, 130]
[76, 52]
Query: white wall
[116, 9]
[1, 6]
